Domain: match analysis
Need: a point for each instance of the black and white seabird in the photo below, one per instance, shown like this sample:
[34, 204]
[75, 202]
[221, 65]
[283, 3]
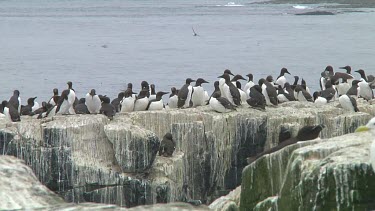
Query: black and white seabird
[248, 85]
[365, 89]
[167, 146]
[152, 92]
[66, 101]
[157, 103]
[283, 97]
[107, 108]
[368, 78]
[281, 80]
[15, 100]
[348, 103]
[117, 101]
[242, 93]
[302, 94]
[55, 98]
[230, 90]
[44, 108]
[257, 99]
[288, 89]
[268, 91]
[27, 109]
[318, 99]
[329, 92]
[173, 98]
[93, 102]
[141, 102]
[304, 85]
[353, 91]
[349, 72]
[10, 112]
[184, 94]
[221, 104]
[128, 101]
[198, 96]
[145, 86]
[81, 107]
[304, 134]
[325, 75]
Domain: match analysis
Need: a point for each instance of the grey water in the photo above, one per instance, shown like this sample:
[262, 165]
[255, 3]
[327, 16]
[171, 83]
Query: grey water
[107, 44]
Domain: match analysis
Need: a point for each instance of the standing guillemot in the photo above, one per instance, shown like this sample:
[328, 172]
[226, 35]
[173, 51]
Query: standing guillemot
[81, 107]
[55, 98]
[184, 94]
[141, 102]
[365, 89]
[117, 101]
[167, 146]
[230, 91]
[15, 100]
[157, 103]
[173, 98]
[10, 112]
[281, 80]
[348, 103]
[127, 103]
[283, 97]
[302, 94]
[242, 93]
[248, 85]
[107, 108]
[353, 91]
[93, 102]
[329, 92]
[289, 90]
[28, 109]
[66, 101]
[368, 78]
[198, 97]
[236, 78]
[268, 91]
[221, 104]
[257, 99]
[152, 92]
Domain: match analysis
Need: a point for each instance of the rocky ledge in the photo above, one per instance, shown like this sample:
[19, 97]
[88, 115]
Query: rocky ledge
[325, 174]
[87, 158]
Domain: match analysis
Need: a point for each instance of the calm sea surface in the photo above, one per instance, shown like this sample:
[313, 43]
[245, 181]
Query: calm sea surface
[107, 44]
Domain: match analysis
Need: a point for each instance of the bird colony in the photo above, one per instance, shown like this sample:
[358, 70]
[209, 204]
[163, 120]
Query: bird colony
[228, 95]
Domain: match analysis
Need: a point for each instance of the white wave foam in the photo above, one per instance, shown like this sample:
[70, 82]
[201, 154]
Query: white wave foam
[301, 7]
[230, 4]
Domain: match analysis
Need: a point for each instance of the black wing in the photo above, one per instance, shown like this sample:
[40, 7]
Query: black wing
[354, 103]
[149, 103]
[182, 95]
[225, 102]
[272, 93]
[235, 94]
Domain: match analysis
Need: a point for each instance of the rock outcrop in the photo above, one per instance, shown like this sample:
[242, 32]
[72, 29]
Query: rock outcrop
[326, 174]
[87, 158]
[20, 189]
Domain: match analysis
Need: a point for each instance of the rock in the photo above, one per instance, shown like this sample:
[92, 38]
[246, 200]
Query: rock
[327, 174]
[87, 158]
[20, 189]
[230, 202]
[135, 148]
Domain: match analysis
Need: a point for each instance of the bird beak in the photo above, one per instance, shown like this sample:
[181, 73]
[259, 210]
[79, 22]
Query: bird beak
[362, 129]
[204, 81]
[221, 76]
[164, 93]
[287, 72]
[341, 67]
[357, 71]
[134, 93]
